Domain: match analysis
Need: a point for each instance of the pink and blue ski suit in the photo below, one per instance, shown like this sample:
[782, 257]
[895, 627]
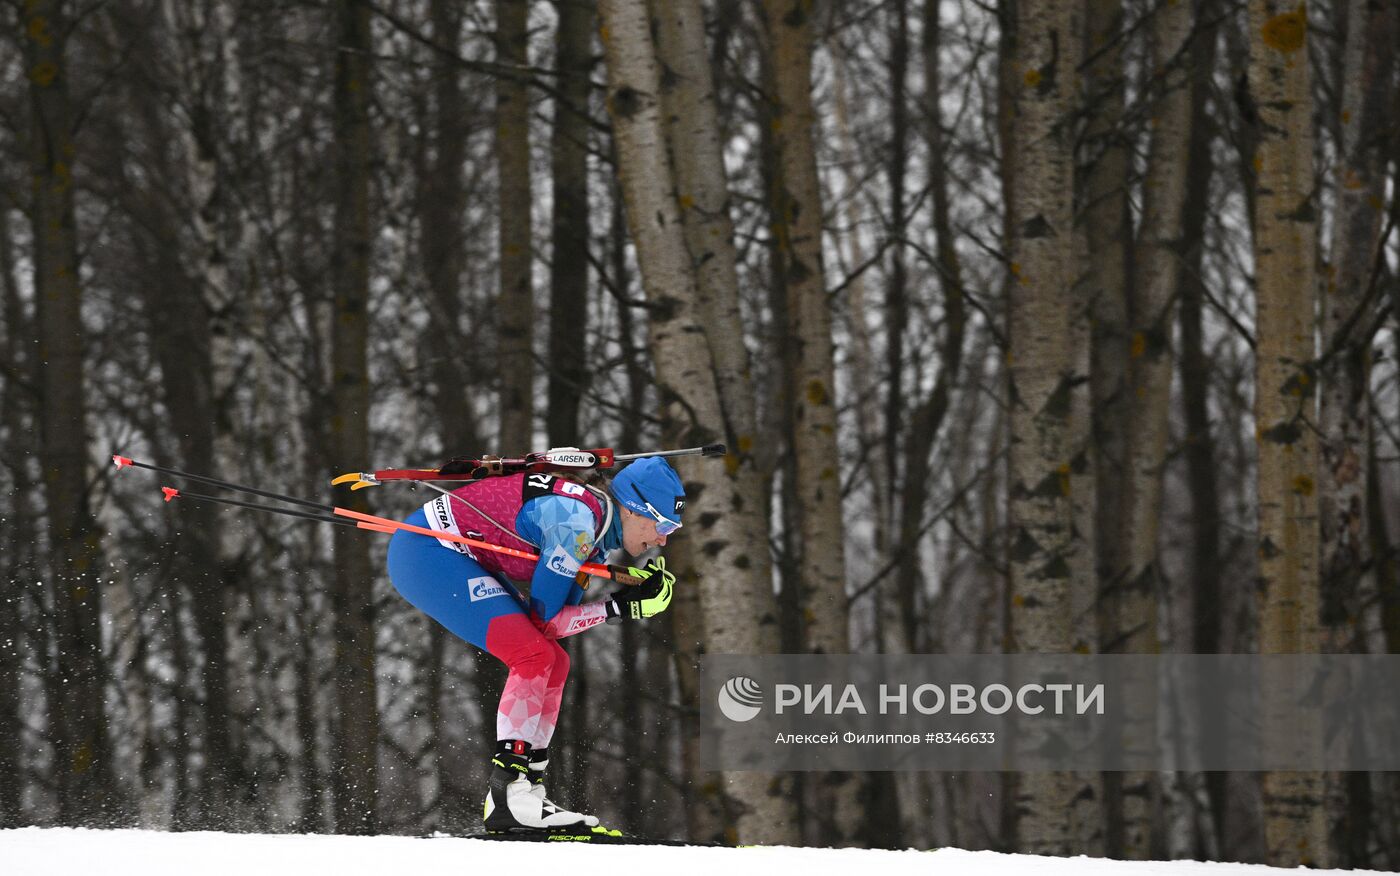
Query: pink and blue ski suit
[473, 594]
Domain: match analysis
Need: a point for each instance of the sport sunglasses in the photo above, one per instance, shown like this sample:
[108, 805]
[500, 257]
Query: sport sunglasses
[664, 525]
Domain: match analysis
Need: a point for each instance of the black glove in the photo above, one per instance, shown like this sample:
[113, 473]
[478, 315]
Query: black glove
[647, 599]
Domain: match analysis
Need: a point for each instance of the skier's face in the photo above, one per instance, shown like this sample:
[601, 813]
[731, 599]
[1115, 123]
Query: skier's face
[639, 533]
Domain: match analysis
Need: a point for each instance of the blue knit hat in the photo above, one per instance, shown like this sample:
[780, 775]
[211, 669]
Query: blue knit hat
[651, 481]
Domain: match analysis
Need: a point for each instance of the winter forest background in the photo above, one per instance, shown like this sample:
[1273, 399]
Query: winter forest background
[1037, 325]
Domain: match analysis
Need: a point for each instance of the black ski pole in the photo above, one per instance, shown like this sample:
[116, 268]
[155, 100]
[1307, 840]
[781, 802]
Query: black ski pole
[172, 493]
[123, 461]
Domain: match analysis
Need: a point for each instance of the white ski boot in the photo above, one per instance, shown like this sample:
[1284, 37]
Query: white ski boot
[539, 762]
[515, 803]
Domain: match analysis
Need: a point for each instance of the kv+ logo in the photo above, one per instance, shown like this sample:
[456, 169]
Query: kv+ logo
[740, 699]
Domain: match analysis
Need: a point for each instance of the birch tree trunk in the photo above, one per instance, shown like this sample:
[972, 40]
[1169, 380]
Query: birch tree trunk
[796, 211]
[516, 313]
[1132, 608]
[692, 127]
[797, 223]
[776, 459]
[739, 618]
[1156, 265]
[864, 375]
[77, 721]
[1284, 253]
[693, 132]
[356, 724]
[568, 267]
[691, 123]
[1041, 371]
[1194, 365]
[1107, 229]
[1105, 238]
[1368, 59]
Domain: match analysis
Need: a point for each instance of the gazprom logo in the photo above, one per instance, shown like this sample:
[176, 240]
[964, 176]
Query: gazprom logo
[485, 588]
[561, 562]
[740, 699]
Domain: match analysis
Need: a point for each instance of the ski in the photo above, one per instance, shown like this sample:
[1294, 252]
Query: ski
[596, 836]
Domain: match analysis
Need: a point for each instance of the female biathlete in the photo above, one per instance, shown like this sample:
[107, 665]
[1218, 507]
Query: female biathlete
[472, 594]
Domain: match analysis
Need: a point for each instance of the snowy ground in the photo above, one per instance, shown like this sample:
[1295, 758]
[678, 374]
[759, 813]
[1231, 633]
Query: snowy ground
[49, 852]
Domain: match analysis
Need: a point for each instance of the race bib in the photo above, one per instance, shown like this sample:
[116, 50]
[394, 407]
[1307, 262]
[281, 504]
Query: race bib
[440, 519]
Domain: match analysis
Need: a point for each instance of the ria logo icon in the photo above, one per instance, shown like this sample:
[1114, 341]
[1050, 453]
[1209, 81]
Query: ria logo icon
[740, 699]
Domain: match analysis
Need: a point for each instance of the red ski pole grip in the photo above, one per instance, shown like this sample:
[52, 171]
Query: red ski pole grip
[170, 493]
